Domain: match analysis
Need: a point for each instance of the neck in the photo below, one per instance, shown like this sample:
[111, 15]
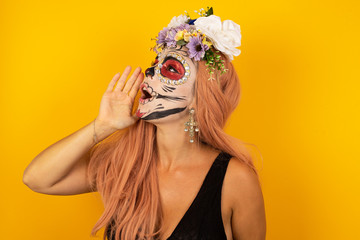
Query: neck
[174, 146]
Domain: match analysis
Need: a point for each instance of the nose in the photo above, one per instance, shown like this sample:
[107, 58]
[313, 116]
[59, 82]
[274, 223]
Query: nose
[150, 72]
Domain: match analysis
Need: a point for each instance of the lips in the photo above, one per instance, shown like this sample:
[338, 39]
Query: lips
[147, 94]
[139, 114]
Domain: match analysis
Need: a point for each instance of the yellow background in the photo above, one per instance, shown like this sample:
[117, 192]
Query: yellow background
[299, 72]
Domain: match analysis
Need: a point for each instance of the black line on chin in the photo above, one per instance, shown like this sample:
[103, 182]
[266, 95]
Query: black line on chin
[162, 114]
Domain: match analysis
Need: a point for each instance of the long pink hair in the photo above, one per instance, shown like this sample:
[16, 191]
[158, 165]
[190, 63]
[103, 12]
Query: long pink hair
[123, 170]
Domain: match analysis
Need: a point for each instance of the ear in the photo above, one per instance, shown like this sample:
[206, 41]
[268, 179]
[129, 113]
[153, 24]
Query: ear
[192, 104]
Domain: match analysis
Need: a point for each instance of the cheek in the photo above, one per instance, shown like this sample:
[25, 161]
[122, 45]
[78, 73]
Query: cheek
[186, 92]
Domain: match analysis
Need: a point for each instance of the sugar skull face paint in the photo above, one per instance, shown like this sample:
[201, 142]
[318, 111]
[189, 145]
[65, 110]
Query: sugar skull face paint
[174, 71]
[168, 87]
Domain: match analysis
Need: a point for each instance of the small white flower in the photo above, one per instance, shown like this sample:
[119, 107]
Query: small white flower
[225, 36]
[177, 21]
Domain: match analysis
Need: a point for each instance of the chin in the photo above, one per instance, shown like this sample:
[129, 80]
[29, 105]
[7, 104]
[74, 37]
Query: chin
[160, 116]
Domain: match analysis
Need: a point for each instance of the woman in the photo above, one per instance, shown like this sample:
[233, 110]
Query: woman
[168, 171]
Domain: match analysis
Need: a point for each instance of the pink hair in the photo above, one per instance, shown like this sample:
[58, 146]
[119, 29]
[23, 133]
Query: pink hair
[123, 166]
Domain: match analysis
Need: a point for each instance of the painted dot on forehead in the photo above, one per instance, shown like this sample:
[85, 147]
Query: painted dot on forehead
[173, 78]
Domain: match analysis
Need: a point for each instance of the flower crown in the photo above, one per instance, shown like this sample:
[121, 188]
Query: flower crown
[204, 37]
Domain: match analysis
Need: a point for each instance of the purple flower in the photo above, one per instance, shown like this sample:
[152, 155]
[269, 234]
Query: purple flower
[170, 38]
[162, 35]
[196, 48]
[182, 27]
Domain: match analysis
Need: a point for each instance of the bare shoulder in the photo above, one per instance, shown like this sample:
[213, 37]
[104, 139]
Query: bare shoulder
[246, 200]
[239, 172]
[242, 183]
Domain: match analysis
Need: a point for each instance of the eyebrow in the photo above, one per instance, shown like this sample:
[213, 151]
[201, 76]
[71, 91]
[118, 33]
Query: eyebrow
[186, 56]
[180, 49]
[175, 51]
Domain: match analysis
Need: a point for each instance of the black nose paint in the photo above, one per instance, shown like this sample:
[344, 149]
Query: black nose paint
[150, 71]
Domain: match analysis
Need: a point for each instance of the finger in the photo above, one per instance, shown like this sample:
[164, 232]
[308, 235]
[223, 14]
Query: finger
[135, 87]
[112, 82]
[121, 82]
[131, 80]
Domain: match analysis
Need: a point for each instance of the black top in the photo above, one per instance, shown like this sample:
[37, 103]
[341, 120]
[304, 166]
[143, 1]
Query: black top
[203, 219]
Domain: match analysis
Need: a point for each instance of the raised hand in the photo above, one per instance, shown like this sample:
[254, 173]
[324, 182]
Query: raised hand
[117, 103]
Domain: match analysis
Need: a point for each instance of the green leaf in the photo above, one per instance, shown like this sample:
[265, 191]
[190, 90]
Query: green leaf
[209, 12]
[181, 42]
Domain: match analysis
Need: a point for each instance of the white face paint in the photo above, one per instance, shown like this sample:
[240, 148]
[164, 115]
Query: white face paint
[167, 89]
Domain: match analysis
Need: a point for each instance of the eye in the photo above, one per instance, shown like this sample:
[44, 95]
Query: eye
[172, 69]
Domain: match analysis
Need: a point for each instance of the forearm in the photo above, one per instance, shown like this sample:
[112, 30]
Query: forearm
[56, 161]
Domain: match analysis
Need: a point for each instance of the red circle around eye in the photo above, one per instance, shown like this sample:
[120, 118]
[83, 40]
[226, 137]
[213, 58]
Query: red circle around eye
[174, 64]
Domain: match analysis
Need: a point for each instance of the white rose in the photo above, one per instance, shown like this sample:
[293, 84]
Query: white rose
[177, 21]
[225, 36]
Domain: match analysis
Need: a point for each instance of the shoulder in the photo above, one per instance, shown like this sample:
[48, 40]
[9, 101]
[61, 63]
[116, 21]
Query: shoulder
[241, 178]
[245, 197]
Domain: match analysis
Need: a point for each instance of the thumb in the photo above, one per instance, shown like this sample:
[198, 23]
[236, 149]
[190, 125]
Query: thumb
[135, 116]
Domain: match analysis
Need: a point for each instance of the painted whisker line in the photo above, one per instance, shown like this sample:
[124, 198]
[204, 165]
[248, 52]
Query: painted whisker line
[164, 89]
[170, 88]
[169, 98]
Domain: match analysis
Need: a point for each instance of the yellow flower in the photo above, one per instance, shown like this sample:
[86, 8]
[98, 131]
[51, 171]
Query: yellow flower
[159, 49]
[187, 35]
[179, 35]
[206, 42]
